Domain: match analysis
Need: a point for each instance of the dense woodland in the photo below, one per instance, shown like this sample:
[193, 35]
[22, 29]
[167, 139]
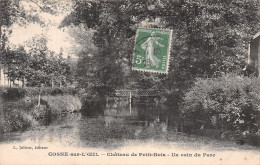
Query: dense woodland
[210, 38]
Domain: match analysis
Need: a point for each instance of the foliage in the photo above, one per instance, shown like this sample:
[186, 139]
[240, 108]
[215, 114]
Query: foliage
[174, 97]
[15, 116]
[56, 91]
[61, 106]
[37, 67]
[22, 114]
[63, 103]
[32, 61]
[207, 41]
[16, 121]
[15, 63]
[14, 93]
[34, 91]
[228, 102]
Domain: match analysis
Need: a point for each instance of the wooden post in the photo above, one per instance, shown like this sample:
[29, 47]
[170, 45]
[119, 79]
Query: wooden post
[130, 102]
[158, 114]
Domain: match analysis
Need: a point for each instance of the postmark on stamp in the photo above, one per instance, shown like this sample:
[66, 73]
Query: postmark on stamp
[152, 50]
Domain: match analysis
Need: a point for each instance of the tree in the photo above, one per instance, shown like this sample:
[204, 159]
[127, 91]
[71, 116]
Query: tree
[15, 64]
[34, 63]
[208, 41]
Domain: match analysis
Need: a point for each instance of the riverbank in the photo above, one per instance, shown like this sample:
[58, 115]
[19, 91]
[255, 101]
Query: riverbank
[59, 110]
[80, 131]
[22, 109]
[75, 136]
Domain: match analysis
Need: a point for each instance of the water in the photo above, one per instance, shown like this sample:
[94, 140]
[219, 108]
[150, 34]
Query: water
[114, 128]
[147, 129]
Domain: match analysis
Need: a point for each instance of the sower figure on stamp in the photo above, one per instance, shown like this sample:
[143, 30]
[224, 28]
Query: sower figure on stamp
[148, 46]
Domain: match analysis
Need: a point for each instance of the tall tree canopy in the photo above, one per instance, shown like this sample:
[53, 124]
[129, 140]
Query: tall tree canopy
[210, 38]
[26, 32]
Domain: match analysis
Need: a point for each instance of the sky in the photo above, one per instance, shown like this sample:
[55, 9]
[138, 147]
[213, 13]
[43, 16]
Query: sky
[56, 38]
[65, 38]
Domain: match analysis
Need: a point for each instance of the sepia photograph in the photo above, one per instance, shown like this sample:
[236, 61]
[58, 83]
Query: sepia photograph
[145, 82]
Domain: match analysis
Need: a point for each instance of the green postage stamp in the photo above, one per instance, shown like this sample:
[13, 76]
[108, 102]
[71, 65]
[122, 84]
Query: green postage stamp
[152, 50]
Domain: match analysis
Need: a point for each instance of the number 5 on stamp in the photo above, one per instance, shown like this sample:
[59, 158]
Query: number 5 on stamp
[152, 50]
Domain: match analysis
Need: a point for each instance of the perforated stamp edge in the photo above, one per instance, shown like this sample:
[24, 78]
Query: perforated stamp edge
[168, 53]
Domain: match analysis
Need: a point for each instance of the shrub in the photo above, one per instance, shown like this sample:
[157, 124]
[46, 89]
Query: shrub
[61, 105]
[18, 115]
[15, 116]
[70, 91]
[56, 91]
[14, 93]
[34, 91]
[16, 121]
[229, 102]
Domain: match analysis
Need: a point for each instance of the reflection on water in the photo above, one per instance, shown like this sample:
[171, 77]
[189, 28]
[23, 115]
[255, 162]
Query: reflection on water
[114, 129]
[78, 130]
[64, 133]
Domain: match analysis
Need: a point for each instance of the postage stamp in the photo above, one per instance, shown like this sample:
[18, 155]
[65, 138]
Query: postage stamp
[152, 50]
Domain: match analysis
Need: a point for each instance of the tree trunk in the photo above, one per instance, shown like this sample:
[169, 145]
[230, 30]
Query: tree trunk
[9, 82]
[52, 83]
[2, 78]
[23, 82]
[39, 98]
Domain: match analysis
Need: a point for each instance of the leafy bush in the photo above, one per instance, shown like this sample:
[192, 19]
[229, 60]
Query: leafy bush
[16, 121]
[15, 116]
[61, 105]
[34, 91]
[229, 102]
[18, 115]
[56, 91]
[14, 93]
[70, 91]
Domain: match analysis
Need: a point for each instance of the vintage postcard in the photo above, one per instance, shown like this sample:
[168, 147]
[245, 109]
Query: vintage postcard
[149, 82]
